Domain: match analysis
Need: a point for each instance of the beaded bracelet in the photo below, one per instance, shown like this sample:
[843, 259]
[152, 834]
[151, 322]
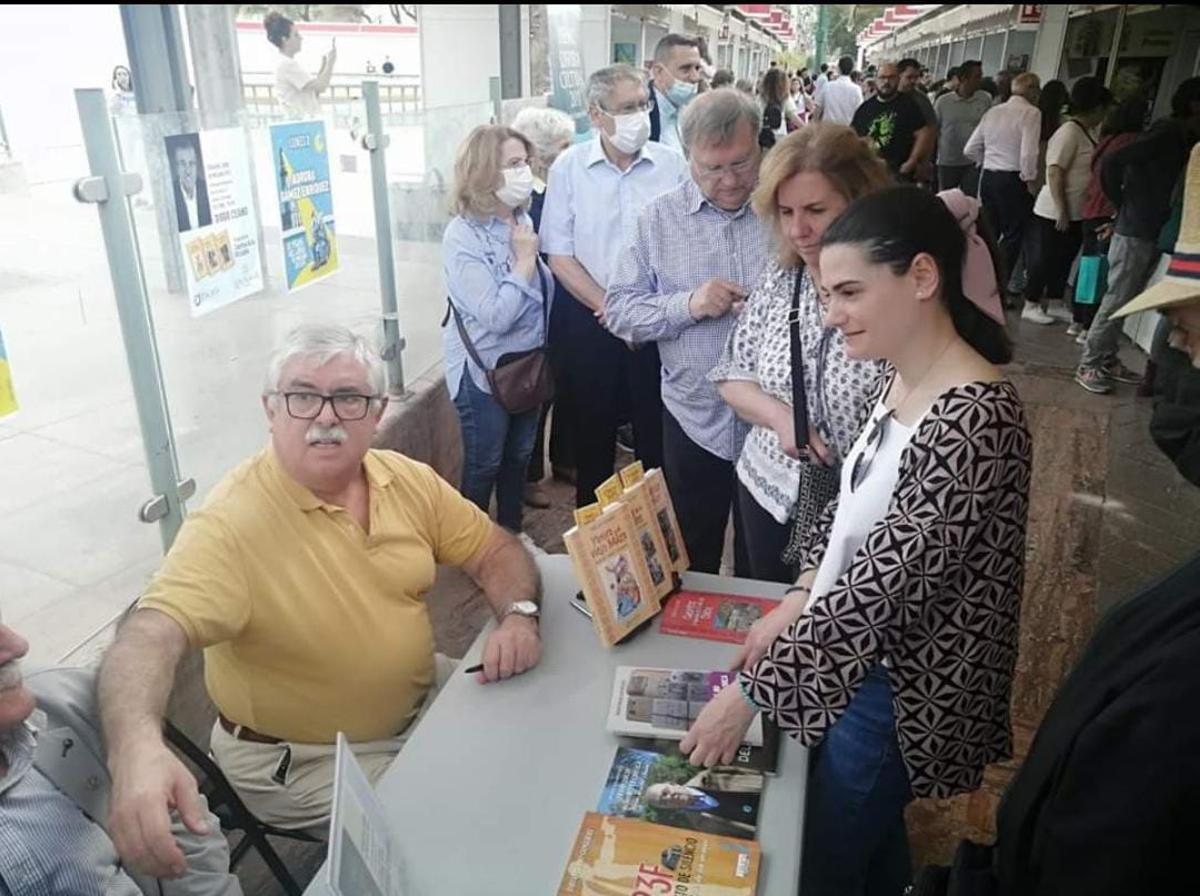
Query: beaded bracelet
[744, 690]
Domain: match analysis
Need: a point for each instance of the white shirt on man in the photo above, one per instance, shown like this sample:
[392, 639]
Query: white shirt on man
[839, 100]
[1007, 138]
[290, 82]
[189, 202]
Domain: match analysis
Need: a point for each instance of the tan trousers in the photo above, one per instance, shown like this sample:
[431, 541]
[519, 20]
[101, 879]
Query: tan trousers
[290, 785]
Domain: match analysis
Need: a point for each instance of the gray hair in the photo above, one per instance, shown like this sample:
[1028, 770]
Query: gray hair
[602, 81]
[323, 343]
[714, 116]
[545, 128]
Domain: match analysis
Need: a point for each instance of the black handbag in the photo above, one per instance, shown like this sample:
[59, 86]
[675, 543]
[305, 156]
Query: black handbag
[521, 381]
[818, 483]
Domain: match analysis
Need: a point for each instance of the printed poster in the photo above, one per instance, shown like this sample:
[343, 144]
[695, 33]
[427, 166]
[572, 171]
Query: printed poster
[214, 211]
[568, 84]
[8, 397]
[305, 202]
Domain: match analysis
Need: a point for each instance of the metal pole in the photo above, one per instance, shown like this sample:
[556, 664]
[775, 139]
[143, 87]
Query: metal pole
[376, 141]
[107, 188]
[494, 93]
[1116, 46]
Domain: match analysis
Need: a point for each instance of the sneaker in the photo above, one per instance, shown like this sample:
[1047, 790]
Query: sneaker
[536, 496]
[1059, 310]
[1082, 338]
[1075, 328]
[1093, 380]
[1035, 315]
[1118, 372]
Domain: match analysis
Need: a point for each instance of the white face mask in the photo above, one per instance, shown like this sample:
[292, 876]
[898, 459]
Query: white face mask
[518, 184]
[632, 131]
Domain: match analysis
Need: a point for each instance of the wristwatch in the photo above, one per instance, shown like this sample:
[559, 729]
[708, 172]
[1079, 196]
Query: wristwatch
[526, 608]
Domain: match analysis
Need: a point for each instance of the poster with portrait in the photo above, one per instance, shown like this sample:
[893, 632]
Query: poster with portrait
[310, 248]
[213, 200]
[8, 396]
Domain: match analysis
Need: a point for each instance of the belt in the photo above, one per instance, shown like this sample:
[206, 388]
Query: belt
[241, 732]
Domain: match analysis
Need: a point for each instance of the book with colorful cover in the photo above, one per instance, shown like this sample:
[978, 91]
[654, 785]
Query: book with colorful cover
[611, 568]
[658, 784]
[764, 759]
[664, 512]
[651, 702]
[627, 857]
[713, 617]
[649, 537]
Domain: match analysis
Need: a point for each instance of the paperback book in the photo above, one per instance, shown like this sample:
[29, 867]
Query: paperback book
[713, 617]
[663, 703]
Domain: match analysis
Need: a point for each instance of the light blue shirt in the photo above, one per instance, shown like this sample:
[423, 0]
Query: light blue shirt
[683, 241]
[501, 311]
[47, 845]
[592, 205]
[668, 121]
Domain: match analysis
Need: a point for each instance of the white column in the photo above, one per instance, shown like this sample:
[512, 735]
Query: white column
[1047, 50]
[595, 26]
[460, 51]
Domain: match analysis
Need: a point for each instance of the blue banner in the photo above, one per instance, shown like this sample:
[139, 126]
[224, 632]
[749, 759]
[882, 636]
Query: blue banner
[301, 157]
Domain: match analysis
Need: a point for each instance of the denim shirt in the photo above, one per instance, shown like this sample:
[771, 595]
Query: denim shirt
[501, 311]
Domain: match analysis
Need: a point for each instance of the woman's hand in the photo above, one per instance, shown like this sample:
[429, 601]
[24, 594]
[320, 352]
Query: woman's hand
[818, 451]
[1063, 222]
[524, 242]
[719, 730]
[785, 428]
[766, 630]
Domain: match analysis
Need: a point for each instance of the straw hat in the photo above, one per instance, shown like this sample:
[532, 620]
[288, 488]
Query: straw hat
[1182, 280]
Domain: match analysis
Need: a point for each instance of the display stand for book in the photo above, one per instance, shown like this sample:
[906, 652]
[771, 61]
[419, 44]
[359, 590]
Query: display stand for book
[677, 586]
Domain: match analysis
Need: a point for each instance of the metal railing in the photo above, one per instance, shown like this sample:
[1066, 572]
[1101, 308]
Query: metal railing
[343, 102]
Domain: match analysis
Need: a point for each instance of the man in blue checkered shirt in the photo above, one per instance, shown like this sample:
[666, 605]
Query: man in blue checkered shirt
[697, 253]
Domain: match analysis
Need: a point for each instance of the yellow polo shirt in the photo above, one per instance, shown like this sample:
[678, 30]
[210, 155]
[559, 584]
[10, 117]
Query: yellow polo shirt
[309, 624]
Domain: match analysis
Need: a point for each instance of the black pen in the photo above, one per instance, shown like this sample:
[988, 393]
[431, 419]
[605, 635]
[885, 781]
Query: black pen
[471, 670]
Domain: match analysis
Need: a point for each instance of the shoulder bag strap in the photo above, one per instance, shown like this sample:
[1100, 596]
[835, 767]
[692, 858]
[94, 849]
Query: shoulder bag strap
[462, 334]
[799, 395]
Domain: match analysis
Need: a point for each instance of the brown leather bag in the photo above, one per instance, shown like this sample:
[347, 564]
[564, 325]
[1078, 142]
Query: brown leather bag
[521, 381]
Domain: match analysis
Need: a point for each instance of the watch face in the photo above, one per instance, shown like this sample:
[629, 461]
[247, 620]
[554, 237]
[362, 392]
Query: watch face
[524, 608]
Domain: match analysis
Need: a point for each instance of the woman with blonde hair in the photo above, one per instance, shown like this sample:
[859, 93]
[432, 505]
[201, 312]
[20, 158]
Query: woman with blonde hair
[785, 476]
[499, 295]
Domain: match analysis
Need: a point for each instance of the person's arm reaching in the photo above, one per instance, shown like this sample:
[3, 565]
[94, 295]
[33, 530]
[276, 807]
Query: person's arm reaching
[325, 75]
[148, 781]
[507, 574]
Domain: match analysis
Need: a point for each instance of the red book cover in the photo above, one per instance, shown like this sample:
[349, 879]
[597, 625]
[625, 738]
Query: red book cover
[714, 617]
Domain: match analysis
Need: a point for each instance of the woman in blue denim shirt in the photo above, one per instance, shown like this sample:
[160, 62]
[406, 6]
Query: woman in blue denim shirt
[499, 287]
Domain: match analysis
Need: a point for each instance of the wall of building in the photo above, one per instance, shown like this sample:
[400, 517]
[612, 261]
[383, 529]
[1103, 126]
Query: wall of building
[460, 51]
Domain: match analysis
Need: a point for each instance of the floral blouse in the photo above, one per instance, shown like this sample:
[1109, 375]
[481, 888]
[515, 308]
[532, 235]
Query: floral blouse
[935, 590]
[839, 389]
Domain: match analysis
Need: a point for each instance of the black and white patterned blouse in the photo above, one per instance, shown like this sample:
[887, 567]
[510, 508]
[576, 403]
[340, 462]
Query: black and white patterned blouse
[935, 590]
[759, 350]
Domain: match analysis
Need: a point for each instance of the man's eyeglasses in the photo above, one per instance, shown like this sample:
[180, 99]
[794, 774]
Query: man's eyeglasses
[309, 405]
[737, 169]
[875, 438]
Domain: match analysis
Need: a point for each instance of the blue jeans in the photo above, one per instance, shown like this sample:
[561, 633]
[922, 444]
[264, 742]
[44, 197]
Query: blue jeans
[496, 450]
[855, 842]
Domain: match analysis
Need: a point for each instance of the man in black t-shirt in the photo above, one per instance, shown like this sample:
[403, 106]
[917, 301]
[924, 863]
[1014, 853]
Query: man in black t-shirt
[893, 122]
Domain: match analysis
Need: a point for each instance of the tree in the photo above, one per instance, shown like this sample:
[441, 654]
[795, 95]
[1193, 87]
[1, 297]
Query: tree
[845, 22]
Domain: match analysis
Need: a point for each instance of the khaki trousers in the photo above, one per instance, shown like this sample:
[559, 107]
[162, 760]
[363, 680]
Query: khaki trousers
[290, 785]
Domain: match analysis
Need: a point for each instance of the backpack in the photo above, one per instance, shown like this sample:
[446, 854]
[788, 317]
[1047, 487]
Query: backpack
[1106, 800]
[772, 120]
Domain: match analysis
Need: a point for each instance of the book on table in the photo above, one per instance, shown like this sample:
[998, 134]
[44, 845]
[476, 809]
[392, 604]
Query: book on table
[653, 702]
[654, 782]
[713, 617]
[626, 857]
[654, 483]
[648, 536]
[611, 567]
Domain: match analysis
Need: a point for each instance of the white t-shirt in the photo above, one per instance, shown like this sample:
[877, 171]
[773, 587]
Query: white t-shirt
[839, 100]
[1070, 148]
[290, 82]
[858, 510]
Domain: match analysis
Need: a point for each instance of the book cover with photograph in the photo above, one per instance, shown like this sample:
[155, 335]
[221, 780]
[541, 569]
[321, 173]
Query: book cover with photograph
[625, 856]
[656, 783]
[611, 568]
[713, 617]
[655, 483]
[649, 702]
[649, 537]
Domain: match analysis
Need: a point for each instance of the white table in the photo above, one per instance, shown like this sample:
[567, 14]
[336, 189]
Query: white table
[488, 793]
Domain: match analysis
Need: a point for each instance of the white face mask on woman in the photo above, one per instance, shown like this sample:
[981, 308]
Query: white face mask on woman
[518, 184]
[632, 131]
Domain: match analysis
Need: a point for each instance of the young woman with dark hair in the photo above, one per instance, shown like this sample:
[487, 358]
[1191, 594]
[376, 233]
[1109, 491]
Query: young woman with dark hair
[296, 90]
[898, 669]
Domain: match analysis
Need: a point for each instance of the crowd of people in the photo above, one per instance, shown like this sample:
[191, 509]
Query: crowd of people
[805, 337]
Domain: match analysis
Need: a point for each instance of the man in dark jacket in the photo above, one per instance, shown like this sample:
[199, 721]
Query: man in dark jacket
[1138, 179]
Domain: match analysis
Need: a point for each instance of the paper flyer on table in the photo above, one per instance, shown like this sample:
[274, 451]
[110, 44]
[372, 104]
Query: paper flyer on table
[364, 856]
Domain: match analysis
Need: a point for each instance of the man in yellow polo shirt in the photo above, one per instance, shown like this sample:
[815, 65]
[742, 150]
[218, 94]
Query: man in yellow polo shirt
[304, 578]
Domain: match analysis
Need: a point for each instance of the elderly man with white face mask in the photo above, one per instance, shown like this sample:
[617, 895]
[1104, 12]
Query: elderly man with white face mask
[54, 791]
[595, 193]
[304, 577]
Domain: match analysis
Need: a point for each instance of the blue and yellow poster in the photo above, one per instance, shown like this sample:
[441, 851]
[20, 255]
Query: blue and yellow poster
[305, 202]
[8, 398]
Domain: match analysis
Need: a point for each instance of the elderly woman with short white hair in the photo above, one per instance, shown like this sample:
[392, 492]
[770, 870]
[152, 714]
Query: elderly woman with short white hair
[550, 131]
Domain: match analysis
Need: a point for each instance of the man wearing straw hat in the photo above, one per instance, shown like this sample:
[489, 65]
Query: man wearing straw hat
[1139, 179]
[1175, 425]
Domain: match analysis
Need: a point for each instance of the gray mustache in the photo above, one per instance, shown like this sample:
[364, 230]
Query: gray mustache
[318, 433]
